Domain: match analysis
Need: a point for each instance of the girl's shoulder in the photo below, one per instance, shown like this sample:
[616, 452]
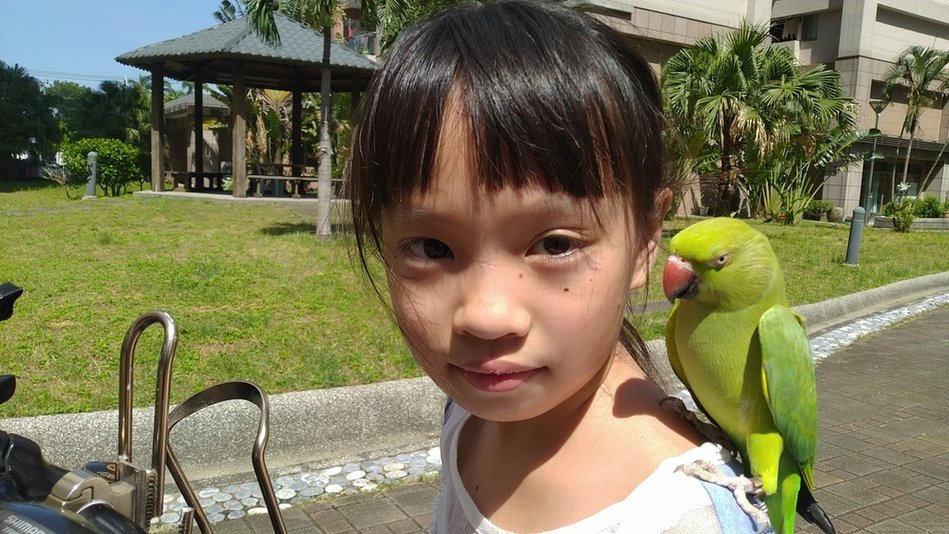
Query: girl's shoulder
[666, 501]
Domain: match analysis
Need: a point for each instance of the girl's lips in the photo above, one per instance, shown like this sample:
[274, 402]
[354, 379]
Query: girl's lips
[498, 381]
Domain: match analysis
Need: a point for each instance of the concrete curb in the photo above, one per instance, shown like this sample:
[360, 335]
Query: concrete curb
[825, 315]
[317, 428]
[307, 428]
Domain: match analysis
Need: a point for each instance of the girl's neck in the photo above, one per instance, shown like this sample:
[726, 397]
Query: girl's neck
[622, 391]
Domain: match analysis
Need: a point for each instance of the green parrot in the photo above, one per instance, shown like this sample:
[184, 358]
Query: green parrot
[745, 358]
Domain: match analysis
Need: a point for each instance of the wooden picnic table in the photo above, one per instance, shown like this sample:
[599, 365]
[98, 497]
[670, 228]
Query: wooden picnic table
[194, 181]
[296, 184]
[297, 174]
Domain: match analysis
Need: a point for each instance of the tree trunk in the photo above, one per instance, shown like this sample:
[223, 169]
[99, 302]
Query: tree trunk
[899, 145]
[324, 229]
[721, 207]
[932, 170]
[909, 150]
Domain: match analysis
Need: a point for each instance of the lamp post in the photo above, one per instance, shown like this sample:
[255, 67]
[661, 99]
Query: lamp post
[878, 107]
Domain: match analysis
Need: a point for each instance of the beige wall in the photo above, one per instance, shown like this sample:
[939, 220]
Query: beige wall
[721, 12]
[894, 31]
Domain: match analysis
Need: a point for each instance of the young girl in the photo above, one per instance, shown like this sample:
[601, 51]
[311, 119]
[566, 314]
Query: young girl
[507, 169]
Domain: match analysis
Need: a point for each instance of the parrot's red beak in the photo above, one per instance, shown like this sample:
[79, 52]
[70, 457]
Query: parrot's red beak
[678, 279]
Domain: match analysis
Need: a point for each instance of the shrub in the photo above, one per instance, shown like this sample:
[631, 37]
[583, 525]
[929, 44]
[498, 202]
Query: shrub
[56, 173]
[903, 212]
[816, 209]
[929, 207]
[117, 164]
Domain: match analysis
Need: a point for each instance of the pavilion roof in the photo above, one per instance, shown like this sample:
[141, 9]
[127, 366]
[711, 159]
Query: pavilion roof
[185, 104]
[212, 54]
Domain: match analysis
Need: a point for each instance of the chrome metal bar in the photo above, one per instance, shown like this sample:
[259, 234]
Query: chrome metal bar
[197, 511]
[225, 391]
[162, 393]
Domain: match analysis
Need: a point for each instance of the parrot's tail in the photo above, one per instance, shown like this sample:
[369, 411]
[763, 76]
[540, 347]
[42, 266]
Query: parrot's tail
[808, 508]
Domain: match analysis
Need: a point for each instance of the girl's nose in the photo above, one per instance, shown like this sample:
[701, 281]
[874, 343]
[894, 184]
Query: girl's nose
[490, 306]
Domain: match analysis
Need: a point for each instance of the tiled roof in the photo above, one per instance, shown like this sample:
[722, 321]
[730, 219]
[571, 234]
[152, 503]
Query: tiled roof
[214, 51]
[184, 104]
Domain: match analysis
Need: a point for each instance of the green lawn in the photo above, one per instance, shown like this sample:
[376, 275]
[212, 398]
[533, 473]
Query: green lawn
[256, 297]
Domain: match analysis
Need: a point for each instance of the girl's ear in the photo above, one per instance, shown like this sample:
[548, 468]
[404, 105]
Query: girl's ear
[647, 256]
[663, 202]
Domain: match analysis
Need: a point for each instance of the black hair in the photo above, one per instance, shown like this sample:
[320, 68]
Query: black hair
[552, 97]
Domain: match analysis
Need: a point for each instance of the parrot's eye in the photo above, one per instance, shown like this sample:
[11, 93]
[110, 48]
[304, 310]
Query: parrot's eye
[720, 261]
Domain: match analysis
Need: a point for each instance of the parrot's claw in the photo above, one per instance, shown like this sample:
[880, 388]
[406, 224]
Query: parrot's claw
[740, 486]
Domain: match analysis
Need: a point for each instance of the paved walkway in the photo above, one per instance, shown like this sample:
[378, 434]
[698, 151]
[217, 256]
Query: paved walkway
[883, 458]
[883, 455]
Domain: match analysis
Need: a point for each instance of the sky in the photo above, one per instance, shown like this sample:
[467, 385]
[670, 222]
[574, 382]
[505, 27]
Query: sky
[78, 40]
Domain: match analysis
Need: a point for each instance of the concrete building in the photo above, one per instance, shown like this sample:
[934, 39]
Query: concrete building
[858, 38]
[179, 132]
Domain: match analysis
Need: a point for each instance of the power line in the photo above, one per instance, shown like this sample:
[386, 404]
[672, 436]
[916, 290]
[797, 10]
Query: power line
[73, 76]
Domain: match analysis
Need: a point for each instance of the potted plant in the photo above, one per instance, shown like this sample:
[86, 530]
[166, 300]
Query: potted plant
[902, 210]
[817, 210]
[836, 214]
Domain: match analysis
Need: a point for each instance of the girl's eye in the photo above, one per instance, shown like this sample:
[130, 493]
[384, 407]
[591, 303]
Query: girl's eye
[432, 249]
[556, 246]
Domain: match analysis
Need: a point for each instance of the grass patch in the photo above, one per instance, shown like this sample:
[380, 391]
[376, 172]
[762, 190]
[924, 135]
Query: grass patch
[256, 297]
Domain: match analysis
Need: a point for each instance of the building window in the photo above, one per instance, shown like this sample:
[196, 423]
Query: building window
[784, 30]
[802, 28]
[809, 28]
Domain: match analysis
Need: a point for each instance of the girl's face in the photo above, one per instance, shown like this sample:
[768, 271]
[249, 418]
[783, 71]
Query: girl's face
[512, 300]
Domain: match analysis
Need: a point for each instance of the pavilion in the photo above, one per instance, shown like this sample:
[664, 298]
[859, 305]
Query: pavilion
[233, 54]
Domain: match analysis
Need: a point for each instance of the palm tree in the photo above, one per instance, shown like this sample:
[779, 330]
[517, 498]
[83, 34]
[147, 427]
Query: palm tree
[813, 124]
[923, 74]
[389, 17]
[229, 11]
[715, 87]
[752, 105]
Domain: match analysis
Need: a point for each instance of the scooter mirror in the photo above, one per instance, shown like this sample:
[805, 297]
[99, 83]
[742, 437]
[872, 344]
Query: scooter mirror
[9, 292]
[7, 387]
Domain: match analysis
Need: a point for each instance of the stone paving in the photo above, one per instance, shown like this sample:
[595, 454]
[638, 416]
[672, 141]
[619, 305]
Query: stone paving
[883, 458]
[236, 501]
[405, 508]
[883, 455]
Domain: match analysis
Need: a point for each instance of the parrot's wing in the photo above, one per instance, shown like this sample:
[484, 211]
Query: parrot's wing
[789, 386]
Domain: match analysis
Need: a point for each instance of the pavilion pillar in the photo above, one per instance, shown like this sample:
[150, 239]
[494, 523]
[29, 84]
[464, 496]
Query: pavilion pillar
[199, 133]
[355, 94]
[157, 126]
[239, 132]
[296, 130]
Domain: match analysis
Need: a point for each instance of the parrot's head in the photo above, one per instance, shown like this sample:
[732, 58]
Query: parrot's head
[720, 262]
